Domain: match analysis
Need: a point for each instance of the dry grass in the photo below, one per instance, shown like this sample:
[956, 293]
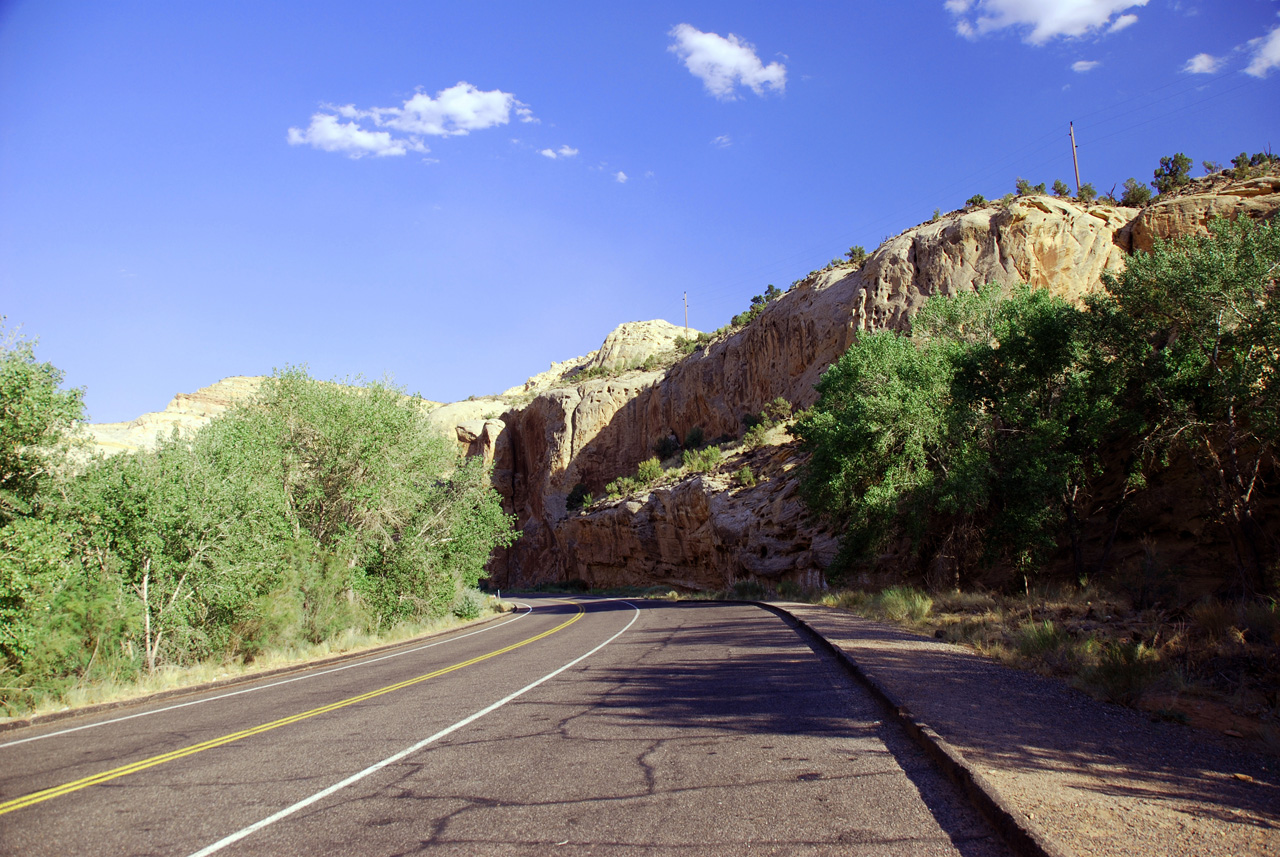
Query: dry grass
[1216, 665]
[172, 677]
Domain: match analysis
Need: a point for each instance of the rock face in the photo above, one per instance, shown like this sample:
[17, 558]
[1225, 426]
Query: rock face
[186, 413]
[596, 431]
[1189, 213]
[634, 342]
[702, 533]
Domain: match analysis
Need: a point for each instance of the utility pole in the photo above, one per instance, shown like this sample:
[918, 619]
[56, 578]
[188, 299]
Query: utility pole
[1074, 159]
[686, 315]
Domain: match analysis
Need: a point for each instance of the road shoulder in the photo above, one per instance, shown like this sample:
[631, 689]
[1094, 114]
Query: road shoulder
[1056, 771]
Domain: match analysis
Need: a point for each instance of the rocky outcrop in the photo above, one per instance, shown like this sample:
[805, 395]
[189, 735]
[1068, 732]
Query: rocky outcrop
[1189, 213]
[631, 344]
[703, 533]
[186, 413]
[594, 432]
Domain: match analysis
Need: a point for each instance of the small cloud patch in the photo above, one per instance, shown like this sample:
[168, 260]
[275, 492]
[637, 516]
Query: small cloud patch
[1043, 20]
[389, 131]
[562, 152]
[1203, 64]
[722, 64]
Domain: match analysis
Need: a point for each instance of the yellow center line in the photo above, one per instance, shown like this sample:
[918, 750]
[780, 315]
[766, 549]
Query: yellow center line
[142, 765]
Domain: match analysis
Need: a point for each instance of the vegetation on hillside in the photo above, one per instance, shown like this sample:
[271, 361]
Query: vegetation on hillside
[315, 510]
[981, 436]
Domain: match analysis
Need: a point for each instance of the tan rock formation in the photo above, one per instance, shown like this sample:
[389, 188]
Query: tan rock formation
[599, 430]
[702, 533]
[1190, 212]
[634, 342]
[187, 412]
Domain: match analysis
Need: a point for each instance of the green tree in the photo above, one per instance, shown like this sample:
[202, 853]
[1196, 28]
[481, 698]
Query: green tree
[1196, 327]
[36, 418]
[1174, 172]
[1087, 193]
[1136, 194]
[1060, 188]
[856, 254]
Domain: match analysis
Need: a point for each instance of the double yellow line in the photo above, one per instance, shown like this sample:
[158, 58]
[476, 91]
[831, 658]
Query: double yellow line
[142, 765]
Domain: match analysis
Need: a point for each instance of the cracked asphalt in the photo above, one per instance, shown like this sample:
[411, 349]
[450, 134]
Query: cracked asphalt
[703, 728]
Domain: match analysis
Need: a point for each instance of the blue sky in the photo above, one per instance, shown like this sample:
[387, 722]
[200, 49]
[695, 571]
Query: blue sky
[195, 190]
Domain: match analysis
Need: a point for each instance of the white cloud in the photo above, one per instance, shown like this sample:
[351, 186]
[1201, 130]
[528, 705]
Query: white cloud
[1266, 54]
[1081, 66]
[1047, 19]
[1122, 22]
[723, 63]
[1203, 64]
[456, 111]
[722, 142]
[562, 152]
[620, 177]
[327, 133]
[452, 112]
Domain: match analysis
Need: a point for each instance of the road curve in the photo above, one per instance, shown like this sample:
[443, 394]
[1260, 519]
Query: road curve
[577, 726]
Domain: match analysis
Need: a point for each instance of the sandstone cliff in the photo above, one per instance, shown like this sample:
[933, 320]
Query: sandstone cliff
[593, 432]
[186, 412]
[570, 427]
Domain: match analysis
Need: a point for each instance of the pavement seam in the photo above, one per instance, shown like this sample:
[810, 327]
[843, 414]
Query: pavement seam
[1024, 838]
[231, 681]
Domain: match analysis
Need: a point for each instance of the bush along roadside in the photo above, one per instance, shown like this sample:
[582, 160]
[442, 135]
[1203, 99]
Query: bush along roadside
[319, 511]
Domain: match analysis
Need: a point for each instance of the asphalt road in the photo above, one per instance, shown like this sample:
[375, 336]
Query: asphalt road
[576, 726]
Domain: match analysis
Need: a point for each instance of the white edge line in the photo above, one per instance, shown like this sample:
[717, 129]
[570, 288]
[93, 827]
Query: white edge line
[256, 688]
[391, 760]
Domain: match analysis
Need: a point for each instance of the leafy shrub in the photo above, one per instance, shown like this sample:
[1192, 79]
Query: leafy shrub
[758, 303]
[777, 411]
[756, 436]
[1174, 172]
[1087, 193]
[688, 346]
[702, 460]
[470, 604]
[315, 510]
[1211, 167]
[1026, 188]
[694, 438]
[745, 477]
[1246, 165]
[856, 254]
[975, 201]
[1136, 194]
[649, 471]
[621, 487]
[1060, 188]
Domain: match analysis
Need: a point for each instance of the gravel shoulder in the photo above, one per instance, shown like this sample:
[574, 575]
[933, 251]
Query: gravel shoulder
[1084, 777]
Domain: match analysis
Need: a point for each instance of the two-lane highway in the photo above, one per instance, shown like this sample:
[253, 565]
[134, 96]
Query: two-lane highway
[590, 725]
